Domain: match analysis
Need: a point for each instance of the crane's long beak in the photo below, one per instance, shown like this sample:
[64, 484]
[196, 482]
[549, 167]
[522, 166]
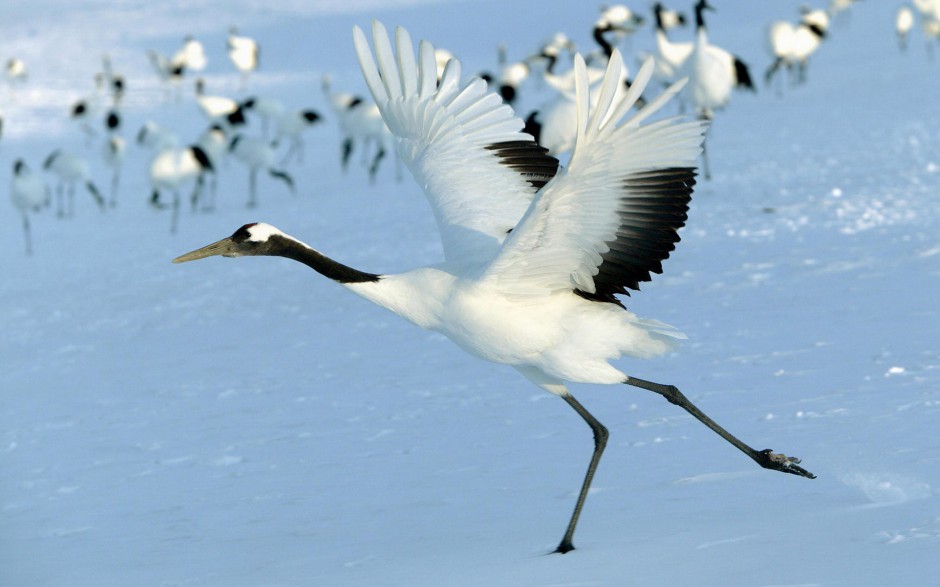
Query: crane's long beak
[224, 247]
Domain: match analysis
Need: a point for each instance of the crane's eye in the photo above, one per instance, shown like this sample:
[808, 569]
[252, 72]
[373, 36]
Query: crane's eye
[243, 233]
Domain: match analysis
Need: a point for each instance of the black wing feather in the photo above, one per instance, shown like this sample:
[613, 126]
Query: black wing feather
[529, 159]
[654, 207]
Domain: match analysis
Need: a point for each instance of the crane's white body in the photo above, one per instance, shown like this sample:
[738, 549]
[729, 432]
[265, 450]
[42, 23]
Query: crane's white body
[156, 137]
[15, 71]
[191, 56]
[174, 167]
[509, 299]
[243, 53]
[216, 109]
[792, 44]
[291, 125]
[214, 143]
[710, 72]
[29, 194]
[171, 169]
[713, 72]
[550, 339]
[253, 151]
[257, 154]
[70, 168]
[903, 23]
[113, 153]
[669, 57]
[28, 191]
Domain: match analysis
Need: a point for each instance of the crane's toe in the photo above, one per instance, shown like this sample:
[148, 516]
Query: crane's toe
[781, 462]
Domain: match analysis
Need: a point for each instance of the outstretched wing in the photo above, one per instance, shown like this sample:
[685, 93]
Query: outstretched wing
[464, 146]
[611, 218]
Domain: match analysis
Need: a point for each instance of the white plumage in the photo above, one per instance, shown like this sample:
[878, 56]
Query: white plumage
[70, 168]
[534, 255]
[243, 52]
[257, 154]
[113, 153]
[191, 56]
[156, 137]
[712, 74]
[218, 109]
[903, 23]
[669, 55]
[174, 167]
[29, 194]
[791, 45]
[15, 71]
[291, 125]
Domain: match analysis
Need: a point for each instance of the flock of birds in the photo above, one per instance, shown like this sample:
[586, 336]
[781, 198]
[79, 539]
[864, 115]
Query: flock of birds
[713, 72]
[544, 219]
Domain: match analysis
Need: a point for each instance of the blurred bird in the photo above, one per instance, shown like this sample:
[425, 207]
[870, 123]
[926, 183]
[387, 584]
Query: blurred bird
[258, 155]
[361, 123]
[712, 74]
[15, 71]
[113, 153]
[669, 55]
[156, 137]
[214, 144]
[169, 72]
[291, 126]
[30, 194]
[268, 109]
[244, 53]
[70, 169]
[903, 23]
[615, 24]
[791, 45]
[219, 109]
[171, 169]
[191, 56]
[547, 57]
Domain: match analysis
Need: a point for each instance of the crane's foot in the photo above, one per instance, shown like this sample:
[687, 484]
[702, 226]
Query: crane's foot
[564, 547]
[781, 462]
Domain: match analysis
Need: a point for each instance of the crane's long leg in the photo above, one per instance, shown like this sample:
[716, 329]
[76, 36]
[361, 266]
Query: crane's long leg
[26, 231]
[115, 181]
[706, 171]
[252, 187]
[600, 441]
[765, 458]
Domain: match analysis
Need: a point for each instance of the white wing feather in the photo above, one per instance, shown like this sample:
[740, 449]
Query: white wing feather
[444, 131]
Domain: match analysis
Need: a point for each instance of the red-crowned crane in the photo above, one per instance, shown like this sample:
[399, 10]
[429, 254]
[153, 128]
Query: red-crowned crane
[534, 255]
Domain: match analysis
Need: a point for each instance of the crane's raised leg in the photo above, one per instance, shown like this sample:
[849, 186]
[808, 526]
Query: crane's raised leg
[765, 458]
[600, 441]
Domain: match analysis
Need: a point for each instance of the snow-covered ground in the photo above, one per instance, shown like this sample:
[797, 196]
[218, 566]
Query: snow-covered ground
[250, 423]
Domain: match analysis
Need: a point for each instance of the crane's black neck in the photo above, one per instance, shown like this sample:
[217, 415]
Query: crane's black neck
[280, 246]
[658, 13]
[700, 14]
[605, 45]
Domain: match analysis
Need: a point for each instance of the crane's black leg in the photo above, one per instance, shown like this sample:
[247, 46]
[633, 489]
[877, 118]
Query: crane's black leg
[765, 458]
[706, 170]
[600, 441]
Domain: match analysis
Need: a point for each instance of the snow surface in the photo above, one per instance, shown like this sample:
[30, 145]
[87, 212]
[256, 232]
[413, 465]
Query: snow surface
[247, 422]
